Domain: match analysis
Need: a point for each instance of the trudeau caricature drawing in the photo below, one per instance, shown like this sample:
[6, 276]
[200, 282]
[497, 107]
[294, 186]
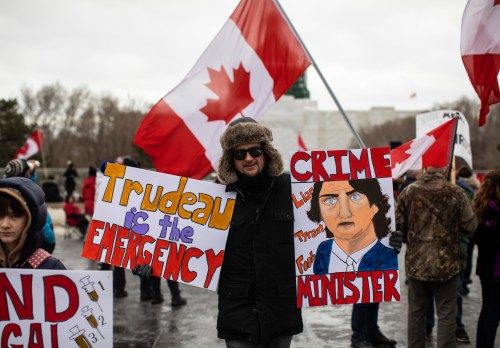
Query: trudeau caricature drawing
[355, 216]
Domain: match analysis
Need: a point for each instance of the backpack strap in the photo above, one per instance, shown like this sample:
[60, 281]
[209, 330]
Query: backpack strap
[37, 258]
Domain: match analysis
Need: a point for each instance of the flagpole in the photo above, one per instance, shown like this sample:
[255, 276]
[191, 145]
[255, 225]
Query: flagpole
[450, 165]
[342, 112]
[40, 141]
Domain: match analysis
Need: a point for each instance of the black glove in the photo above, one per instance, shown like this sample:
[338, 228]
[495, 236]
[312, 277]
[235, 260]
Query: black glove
[396, 240]
[142, 271]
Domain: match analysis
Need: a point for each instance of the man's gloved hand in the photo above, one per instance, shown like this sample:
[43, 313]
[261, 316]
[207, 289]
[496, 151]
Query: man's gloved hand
[396, 240]
[142, 271]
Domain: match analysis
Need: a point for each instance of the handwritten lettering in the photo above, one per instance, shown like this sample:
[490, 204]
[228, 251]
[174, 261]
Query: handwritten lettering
[340, 165]
[347, 288]
[304, 197]
[305, 265]
[168, 259]
[34, 337]
[305, 236]
[185, 204]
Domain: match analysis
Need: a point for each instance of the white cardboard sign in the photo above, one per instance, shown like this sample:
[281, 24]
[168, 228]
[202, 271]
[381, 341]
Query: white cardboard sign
[56, 308]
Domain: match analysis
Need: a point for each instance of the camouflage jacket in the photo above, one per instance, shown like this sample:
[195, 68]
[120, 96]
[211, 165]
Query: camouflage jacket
[432, 213]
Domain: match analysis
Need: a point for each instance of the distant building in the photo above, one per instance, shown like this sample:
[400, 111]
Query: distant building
[320, 129]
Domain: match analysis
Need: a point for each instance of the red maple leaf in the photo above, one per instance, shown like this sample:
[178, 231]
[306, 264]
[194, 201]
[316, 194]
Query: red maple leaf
[233, 96]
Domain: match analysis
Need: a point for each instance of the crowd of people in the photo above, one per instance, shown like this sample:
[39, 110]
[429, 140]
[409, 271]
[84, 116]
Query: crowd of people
[439, 221]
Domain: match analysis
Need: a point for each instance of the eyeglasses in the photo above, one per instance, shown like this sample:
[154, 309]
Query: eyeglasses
[240, 155]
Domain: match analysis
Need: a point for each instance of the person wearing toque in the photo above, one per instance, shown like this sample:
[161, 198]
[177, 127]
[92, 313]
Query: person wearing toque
[22, 217]
[27, 169]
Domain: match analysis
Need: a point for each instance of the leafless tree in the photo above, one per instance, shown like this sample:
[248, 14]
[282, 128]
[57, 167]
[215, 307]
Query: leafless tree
[485, 142]
[79, 126]
[382, 135]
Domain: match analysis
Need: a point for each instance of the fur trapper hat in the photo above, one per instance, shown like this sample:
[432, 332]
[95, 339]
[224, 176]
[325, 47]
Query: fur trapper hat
[241, 131]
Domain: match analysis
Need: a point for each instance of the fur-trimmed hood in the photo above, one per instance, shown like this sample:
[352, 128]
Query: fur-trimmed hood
[32, 198]
[241, 131]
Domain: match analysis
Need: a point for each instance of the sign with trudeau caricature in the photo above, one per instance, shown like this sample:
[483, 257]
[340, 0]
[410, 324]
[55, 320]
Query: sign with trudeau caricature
[176, 225]
[56, 308]
[344, 213]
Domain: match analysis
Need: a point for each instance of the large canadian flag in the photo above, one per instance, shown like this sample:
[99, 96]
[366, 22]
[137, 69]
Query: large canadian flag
[32, 146]
[251, 62]
[480, 48]
[434, 149]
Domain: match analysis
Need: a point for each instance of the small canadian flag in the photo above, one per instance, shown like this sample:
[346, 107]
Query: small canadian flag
[32, 146]
[434, 149]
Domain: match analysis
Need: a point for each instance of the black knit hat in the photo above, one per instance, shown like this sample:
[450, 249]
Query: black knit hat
[17, 167]
[129, 161]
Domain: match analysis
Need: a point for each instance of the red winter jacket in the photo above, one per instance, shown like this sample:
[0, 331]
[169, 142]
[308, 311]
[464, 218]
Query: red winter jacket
[88, 194]
[73, 214]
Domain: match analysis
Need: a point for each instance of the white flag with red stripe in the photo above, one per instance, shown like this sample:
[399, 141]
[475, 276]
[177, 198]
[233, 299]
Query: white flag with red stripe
[32, 146]
[434, 149]
[248, 66]
[480, 49]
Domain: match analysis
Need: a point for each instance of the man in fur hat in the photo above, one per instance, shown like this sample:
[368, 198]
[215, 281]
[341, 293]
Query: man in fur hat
[257, 300]
[257, 295]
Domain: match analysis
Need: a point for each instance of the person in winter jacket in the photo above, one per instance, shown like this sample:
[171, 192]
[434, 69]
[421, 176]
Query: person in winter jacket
[27, 169]
[88, 191]
[70, 175]
[22, 216]
[432, 213]
[257, 297]
[466, 180]
[74, 216]
[486, 205]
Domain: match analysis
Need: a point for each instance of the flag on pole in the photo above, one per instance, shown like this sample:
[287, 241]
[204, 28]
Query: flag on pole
[251, 62]
[32, 146]
[301, 145]
[480, 49]
[434, 149]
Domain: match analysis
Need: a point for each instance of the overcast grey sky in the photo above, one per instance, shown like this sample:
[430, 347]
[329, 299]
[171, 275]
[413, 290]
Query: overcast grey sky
[372, 53]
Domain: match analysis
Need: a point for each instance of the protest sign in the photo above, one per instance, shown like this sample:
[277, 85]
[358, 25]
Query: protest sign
[176, 225]
[344, 210]
[56, 308]
[430, 120]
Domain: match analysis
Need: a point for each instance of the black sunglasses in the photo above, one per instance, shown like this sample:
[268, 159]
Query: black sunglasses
[240, 155]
